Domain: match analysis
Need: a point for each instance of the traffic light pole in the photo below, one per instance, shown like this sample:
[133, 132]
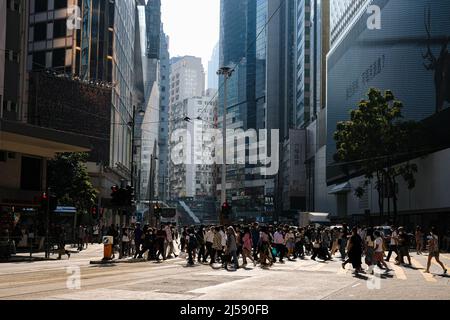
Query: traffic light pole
[132, 146]
[47, 222]
[226, 72]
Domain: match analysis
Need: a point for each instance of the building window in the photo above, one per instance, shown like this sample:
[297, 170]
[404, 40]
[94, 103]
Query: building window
[30, 177]
[40, 5]
[59, 58]
[60, 4]
[60, 28]
[40, 31]
[13, 5]
[39, 60]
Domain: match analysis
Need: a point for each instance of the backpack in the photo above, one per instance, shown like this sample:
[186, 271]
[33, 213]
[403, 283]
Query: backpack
[193, 242]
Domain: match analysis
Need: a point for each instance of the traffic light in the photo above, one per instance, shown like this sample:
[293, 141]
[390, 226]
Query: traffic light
[226, 210]
[115, 195]
[129, 196]
[53, 203]
[44, 201]
[48, 202]
[158, 211]
[94, 212]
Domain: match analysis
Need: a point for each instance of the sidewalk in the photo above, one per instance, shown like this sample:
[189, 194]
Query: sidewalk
[95, 250]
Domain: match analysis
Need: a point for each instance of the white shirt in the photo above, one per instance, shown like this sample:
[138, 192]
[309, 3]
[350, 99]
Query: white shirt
[168, 233]
[379, 244]
[393, 235]
[278, 238]
[224, 238]
[209, 236]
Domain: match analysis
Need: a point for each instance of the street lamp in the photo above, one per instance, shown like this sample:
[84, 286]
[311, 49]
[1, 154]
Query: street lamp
[226, 72]
[150, 186]
[132, 124]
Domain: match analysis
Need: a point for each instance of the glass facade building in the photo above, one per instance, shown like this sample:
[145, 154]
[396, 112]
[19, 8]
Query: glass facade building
[240, 23]
[153, 22]
[303, 64]
[391, 58]
[163, 141]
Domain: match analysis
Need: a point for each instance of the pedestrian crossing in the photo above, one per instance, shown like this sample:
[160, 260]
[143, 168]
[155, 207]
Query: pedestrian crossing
[416, 272]
[427, 276]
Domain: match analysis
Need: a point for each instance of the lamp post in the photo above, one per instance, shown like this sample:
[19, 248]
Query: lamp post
[132, 124]
[226, 72]
[150, 188]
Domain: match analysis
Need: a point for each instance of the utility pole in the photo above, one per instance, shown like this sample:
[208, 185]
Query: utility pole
[226, 72]
[47, 223]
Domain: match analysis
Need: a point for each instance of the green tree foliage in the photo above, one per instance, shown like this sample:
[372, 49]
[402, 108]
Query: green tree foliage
[374, 141]
[69, 180]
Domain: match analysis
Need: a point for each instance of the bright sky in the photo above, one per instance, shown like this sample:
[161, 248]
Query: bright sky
[193, 27]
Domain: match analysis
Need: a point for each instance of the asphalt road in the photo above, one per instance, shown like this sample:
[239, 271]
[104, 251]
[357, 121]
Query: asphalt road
[174, 280]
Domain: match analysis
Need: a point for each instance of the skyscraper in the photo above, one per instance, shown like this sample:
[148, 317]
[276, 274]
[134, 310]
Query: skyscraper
[238, 25]
[187, 78]
[187, 86]
[213, 66]
[163, 140]
[153, 23]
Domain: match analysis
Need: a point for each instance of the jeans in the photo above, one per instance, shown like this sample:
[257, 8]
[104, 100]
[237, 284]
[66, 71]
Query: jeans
[280, 248]
[342, 248]
[209, 250]
[235, 259]
[392, 248]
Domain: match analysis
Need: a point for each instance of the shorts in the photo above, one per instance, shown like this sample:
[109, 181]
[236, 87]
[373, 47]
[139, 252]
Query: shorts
[378, 256]
[434, 254]
[403, 251]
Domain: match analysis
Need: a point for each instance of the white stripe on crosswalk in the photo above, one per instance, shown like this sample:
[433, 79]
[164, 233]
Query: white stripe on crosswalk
[427, 276]
[437, 264]
[318, 267]
[399, 272]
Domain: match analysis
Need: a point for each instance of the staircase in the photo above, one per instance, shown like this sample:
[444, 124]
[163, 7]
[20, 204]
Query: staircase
[189, 211]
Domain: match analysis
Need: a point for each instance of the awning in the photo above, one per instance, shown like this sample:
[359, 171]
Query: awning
[38, 141]
[318, 217]
[341, 188]
[70, 210]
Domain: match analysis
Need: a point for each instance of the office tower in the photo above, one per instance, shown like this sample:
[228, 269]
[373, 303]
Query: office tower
[164, 118]
[213, 66]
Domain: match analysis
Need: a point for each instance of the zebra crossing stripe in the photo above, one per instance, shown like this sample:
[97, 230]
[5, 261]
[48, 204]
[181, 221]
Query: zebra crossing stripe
[399, 272]
[318, 267]
[437, 264]
[341, 270]
[427, 276]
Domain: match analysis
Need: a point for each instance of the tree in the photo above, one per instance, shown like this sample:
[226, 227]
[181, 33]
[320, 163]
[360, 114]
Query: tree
[377, 143]
[69, 180]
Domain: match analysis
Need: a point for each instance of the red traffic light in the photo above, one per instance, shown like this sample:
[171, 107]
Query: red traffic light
[44, 196]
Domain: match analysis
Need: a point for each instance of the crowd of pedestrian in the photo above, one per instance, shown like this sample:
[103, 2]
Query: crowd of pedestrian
[266, 245]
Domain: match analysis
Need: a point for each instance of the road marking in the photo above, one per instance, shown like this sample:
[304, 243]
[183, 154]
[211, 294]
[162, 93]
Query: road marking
[437, 264]
[318, 267]
[399, 272]
[341, 270]
[427, 276]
